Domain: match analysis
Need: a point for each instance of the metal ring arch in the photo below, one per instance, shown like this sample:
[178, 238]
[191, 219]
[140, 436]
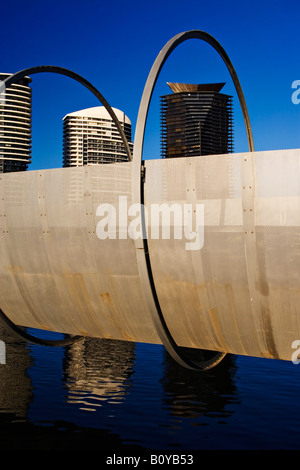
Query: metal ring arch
[142, 252]
[68, 73]
[62, 71]
[6, 322]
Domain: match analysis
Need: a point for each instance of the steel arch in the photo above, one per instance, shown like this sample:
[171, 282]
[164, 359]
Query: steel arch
[62, 71]
[142, 251]
[6, 322]
[69, 73]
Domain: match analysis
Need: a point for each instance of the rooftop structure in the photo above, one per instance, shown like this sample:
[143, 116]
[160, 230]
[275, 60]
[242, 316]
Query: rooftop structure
[91, 137]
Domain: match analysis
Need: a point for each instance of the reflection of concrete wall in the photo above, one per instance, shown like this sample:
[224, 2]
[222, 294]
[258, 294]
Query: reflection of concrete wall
[97, 370]
[15, 386]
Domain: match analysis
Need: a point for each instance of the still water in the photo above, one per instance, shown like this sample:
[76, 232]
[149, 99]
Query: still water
[103, 394]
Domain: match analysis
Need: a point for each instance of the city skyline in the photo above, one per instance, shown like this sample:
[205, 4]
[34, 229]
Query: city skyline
[90, 136]
[266, 63]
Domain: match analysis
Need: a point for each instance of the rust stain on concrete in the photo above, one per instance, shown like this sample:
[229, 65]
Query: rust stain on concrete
[114, 314]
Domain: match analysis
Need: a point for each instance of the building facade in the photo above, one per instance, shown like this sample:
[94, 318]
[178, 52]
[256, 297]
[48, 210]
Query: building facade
[196, 120]
[90, 137]
[15, 125]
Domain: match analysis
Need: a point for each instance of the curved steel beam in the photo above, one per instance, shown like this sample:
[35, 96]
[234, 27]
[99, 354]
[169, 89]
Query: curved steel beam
[68, 73]
[143, 257]
[62, 71]
[7, 323]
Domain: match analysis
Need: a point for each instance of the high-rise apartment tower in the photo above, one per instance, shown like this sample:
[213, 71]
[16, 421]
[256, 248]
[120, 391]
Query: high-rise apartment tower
[196, 120]
[15, 125]
[91, 137]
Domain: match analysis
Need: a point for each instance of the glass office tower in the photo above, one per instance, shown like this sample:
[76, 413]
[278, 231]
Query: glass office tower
[196, 120]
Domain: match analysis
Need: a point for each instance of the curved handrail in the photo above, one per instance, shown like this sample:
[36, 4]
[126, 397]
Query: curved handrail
[142, 252]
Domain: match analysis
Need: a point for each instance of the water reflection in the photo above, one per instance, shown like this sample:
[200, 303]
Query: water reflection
[111, 394]
[190, 394]
[95, 371]
[15, 385]
[98, 370]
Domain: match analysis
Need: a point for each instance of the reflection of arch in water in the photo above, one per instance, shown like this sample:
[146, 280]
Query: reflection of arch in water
[189, 394]
[98, 370]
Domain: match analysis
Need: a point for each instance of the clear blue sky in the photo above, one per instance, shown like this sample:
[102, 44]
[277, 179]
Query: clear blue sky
[113, 44]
